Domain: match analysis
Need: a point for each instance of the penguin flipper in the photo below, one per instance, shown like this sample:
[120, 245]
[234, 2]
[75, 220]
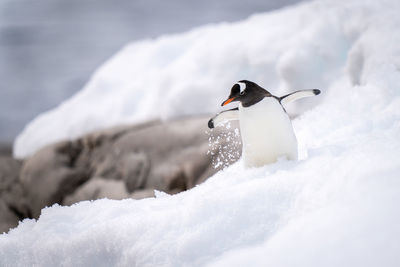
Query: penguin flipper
[224, 116]
[298, 95]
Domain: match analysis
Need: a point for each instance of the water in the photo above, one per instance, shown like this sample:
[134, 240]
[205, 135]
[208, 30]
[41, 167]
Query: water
[49, 48]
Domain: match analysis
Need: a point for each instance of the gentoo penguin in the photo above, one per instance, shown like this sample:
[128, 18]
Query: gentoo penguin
[265, 127]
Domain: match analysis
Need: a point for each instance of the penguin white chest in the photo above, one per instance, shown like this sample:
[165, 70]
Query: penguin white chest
[267, 133]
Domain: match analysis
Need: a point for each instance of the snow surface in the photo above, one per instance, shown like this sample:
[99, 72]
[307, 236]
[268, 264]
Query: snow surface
[337, 206]
[191, 73]
[49, 50]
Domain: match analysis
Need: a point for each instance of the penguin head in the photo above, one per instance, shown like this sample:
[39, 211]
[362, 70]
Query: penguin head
[247, 92]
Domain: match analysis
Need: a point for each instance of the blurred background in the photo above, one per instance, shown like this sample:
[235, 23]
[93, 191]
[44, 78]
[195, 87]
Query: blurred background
[50, 48]
[48, 51]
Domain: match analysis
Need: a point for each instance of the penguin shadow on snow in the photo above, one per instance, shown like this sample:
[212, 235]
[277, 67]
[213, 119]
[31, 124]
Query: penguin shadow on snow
[266, 130]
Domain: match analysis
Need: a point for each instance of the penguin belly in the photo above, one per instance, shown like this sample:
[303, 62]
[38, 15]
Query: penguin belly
[267, 133]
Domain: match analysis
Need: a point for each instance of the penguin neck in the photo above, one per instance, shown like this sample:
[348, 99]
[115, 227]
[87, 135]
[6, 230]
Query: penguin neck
[258, 103]
[256, 99]
[252, 101]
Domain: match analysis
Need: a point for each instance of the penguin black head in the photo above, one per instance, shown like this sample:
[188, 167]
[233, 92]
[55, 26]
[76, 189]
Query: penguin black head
[247, 92]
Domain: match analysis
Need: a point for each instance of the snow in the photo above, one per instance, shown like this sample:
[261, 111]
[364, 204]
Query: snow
[191, 73]
[49, 50]
[336, 206]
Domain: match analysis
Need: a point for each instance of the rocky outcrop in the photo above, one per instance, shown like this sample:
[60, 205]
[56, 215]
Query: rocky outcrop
[8, 218]
[13, 205]
[122, 162]
[117, 163]
[97, 188]
[5, 150]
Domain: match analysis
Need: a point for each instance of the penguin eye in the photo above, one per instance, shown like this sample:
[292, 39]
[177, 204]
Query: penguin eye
[242, 92]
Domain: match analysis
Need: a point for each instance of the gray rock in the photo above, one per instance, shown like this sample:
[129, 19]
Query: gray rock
[12, 197]
[121, 162]
[51, 174]
[9, 171]
[134, 169]
[96, 189]
[5, 149]
[177, 152]
[140, 194]
[8, 218]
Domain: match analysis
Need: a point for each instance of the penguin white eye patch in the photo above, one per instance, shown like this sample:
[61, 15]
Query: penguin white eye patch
[242, 86]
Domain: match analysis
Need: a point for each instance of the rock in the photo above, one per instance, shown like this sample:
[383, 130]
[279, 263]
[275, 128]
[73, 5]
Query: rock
[134, 168]
[177, 152]
[97, 188]
[121, 162]
[12, 197]
[51, 174]
[5, 149]
[9, 171]
[140, 194]
[8, 218]
[131, 167]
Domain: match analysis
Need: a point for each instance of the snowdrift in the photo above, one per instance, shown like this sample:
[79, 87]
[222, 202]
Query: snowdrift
[190, 73]
[337, 206]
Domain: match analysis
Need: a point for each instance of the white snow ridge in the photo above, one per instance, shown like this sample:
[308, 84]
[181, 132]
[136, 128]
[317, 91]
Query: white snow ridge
[338, 206]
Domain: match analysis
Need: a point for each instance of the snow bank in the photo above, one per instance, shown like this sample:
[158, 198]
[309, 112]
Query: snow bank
[191, 73]
[338, 206]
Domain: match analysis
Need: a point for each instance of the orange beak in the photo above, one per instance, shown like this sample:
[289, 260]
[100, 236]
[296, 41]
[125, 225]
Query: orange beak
[226, 102]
